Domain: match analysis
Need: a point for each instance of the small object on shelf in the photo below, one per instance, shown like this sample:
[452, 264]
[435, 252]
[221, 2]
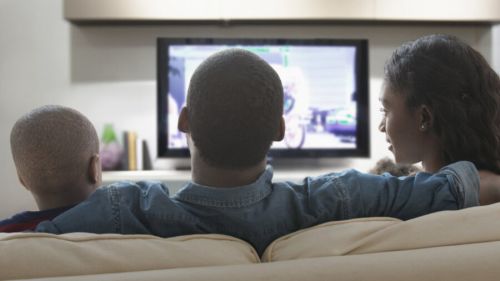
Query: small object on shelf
[110, 149]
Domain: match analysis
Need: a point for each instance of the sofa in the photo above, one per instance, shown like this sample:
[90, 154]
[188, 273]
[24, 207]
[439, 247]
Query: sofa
[448, 245]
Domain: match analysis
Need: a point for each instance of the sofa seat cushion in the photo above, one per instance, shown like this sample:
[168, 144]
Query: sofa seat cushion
[29, 255]
[375, 235]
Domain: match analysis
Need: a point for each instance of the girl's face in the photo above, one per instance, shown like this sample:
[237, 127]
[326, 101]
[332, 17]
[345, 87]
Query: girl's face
[402, 127]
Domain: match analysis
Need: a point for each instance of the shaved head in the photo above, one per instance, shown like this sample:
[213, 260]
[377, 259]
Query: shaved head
[52, 147]
[235, 106]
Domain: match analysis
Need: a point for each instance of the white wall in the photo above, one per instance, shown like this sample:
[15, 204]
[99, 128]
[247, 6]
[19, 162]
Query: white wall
[108, 72]
[495, 41]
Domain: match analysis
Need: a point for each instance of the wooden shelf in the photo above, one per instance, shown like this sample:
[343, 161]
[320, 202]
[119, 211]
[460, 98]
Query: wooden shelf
[175, 180]
[229, 10]
[183, 176]
[113, 176]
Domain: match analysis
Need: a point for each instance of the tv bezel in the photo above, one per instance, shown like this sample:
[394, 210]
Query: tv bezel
[362, 94]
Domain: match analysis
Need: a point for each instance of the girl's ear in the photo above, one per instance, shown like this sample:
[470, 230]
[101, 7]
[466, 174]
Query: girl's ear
[183, 122]
[426, 118]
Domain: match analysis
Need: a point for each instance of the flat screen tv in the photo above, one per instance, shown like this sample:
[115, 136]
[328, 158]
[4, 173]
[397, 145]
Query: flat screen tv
[325, 85]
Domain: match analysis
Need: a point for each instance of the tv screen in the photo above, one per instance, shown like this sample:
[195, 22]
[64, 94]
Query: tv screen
[325, 84]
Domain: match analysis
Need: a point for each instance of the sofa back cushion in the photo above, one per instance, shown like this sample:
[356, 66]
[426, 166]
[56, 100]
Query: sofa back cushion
[29, 255]
[469, 262]
[374, 235]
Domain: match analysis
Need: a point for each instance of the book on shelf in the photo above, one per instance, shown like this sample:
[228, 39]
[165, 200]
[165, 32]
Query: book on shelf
[136, 154]
[125, 151]
[147, 163]
[132, 157]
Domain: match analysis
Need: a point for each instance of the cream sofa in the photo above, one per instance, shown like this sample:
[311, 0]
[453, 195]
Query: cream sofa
[451, 245]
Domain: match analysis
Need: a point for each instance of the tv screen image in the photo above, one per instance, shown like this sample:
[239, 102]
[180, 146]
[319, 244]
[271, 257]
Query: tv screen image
[325, 92]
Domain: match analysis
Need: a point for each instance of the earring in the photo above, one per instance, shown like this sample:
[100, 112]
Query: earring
[422, 126]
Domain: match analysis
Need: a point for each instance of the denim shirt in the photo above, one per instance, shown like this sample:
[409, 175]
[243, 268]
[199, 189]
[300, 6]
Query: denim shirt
[263, 211]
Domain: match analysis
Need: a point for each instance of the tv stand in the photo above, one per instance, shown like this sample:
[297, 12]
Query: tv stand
[183, 168]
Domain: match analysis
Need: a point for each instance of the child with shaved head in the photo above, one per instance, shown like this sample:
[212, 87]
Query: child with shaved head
[233, 114]
[55, 150]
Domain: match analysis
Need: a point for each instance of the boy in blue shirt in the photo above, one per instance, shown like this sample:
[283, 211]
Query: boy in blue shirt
[234, 112]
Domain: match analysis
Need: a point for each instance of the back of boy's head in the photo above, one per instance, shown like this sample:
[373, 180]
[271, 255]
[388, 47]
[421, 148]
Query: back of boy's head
[52, 147]
[235, 106]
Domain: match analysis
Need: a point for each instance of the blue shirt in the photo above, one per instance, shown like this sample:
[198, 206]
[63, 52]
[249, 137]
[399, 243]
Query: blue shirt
[263, 211]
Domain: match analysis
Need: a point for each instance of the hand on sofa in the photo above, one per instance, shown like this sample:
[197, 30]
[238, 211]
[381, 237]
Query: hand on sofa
[489, 191]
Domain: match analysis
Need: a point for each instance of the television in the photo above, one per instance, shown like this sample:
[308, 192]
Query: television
[325, 84]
